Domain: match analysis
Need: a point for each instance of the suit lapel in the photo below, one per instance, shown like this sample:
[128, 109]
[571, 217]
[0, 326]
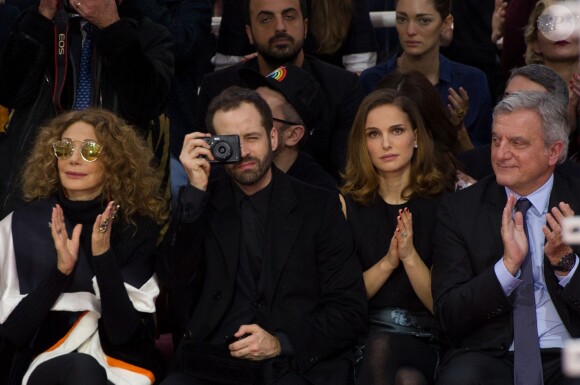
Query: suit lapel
[283, 230]
[560, 192]
[495, 200]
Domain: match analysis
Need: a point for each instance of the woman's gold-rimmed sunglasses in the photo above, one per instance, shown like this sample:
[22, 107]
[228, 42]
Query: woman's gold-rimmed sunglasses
[89, 149]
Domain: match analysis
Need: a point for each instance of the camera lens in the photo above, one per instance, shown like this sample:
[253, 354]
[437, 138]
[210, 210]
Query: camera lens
[222, 151]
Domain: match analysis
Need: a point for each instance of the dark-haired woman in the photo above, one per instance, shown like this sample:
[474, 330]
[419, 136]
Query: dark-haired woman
[391, 189]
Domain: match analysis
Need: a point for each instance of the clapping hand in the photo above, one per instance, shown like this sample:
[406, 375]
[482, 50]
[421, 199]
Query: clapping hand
[458, 106]
[555, 248]
[513, 235]
[392, 256]
[66, 249]
[498, 20]
[404, 235]
[101, 237]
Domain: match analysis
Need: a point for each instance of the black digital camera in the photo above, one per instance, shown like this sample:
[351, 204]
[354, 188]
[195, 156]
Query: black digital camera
[225, 148]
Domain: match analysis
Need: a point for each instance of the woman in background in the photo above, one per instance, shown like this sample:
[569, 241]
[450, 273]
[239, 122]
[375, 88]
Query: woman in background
[77, 297]
[463, 90]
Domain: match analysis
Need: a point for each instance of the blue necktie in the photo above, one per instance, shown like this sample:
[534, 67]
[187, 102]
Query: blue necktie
[527, 359]
[84, 86]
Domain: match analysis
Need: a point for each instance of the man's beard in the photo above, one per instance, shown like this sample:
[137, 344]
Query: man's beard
[276, 57]
[249, 177]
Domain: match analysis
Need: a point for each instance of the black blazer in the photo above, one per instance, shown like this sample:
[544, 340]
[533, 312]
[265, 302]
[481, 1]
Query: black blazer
[314, 292]
[469, 301]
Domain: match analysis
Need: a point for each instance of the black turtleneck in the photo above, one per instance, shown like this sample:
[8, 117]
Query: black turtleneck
[83, 212]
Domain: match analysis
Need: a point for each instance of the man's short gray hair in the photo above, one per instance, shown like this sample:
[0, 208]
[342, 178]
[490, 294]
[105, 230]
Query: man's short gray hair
[544, 76]
[553, 115]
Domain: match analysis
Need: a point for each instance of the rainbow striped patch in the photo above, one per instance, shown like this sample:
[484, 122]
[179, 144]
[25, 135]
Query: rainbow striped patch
[278, 74]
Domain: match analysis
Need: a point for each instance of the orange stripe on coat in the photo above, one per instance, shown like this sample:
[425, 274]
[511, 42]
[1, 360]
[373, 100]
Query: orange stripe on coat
[61, 341]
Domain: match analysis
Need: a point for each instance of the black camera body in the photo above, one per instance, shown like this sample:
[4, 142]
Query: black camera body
[225, 148]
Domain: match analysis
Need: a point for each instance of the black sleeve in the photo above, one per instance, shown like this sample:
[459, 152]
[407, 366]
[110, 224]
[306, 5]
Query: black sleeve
[182, 266]
[28, 315]
[25, 59]
[131, 261]
[184, 242]
[464, 298]
[139, 61]
[188, 21]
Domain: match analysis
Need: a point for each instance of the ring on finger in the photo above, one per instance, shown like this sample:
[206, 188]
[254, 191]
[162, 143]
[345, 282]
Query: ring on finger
[460, 113]
[103, 227]
[404, 234]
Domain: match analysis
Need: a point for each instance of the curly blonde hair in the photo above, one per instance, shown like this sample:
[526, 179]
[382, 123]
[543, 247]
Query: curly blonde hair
[361, 179]
[531, 32]
[130, 177]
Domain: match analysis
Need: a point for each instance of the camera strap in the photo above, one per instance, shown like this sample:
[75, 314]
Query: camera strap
[60, 55]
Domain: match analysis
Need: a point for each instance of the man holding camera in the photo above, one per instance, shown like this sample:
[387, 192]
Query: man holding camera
[279, 296]
[72, 54]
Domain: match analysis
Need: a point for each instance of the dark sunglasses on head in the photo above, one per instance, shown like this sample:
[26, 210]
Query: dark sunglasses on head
[89, 150]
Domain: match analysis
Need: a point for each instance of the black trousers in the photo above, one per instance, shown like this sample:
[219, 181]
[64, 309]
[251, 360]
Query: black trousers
[476, 368]
[70, 369]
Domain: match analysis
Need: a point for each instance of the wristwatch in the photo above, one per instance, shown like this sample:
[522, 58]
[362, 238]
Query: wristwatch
[566, 263]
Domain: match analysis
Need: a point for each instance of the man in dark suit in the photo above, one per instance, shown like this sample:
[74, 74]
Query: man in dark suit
[481, 253]
[277, 29]
[279, 281]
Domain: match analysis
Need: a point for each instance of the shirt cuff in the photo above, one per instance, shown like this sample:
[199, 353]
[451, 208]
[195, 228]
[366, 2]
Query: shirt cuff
[285, 345]
[507, 281]
[192, 203]
[565, 279]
